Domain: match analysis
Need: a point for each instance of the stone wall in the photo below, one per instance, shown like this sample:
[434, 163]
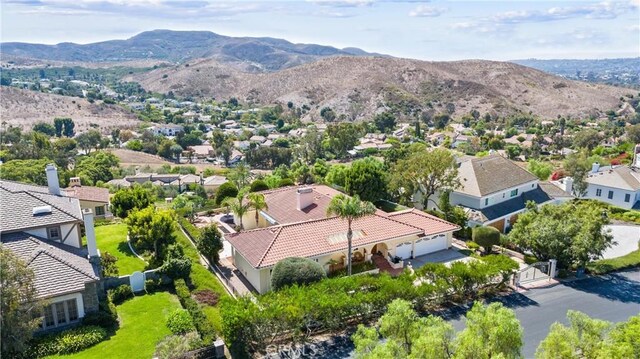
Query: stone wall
[90, 297]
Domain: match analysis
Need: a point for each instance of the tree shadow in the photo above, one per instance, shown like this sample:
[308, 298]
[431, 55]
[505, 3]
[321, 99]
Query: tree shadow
[622, 286]
[512, 301]
[123, 247]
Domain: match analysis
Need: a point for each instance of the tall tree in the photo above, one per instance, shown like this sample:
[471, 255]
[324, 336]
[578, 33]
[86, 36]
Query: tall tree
[20, 307]
[257, 203]
[341, 138]
[367, 179]
[89, 140]
[239, 175]
[210, 243]
[128, 199]
[152, 229]
[577, 166]
[424, 172]
[385, 121]
[239, 206]
[349, 209]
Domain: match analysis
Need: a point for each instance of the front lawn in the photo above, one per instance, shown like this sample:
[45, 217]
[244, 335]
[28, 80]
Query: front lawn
[203, 279]
[614, 264]
[142, 325]
[113, 239]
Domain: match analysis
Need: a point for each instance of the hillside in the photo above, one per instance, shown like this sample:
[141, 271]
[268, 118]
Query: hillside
[25, 108]
[246, 53]
[362, 86]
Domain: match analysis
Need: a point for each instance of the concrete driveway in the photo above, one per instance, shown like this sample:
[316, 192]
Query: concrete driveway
[446, 256]
[626, 237]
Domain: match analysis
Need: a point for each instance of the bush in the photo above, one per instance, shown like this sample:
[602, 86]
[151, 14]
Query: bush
[296, 270]
[152, 285]
[286, 182]
[200, 321]
[225, 190]
[529, 259]
[473, 245]
[176, 264]
[355, 269]
[179, 322]
[100, 318]
[68, 341]
[486, 237]
[175, 346]
[108, 265]
[258, 185]
[120, 293]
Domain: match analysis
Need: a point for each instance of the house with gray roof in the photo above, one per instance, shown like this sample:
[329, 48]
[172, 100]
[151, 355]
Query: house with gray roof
[42, 226]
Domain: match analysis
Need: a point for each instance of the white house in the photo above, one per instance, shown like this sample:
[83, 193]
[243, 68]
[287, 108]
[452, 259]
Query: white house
[168, 129]
[296, 225]
[41, 226]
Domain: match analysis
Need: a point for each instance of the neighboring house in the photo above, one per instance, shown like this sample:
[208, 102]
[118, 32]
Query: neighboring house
[166, 129]
[257, 139]
[41, 225]
[212, 183]
[494, 190]
[616, 185]
[296, 225]
[94, 198]
[202, 151]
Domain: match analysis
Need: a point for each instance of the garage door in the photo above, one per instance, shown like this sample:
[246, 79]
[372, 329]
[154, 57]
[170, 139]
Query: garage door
[430, 244]
[403, 250]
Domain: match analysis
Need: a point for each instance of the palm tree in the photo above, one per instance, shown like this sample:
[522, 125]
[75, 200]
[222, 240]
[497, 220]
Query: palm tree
[257, 202]
[349, 208]
[238, 206]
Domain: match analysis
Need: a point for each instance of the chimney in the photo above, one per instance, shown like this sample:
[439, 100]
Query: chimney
[90, 233]
[567, 184]
[52, 179]
[636, 157]
[305, 198]
[595, 167]
[75, 182]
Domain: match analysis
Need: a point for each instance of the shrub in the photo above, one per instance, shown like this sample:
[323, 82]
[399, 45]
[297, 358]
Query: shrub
[100, 318]
[207, 297]
[175, 346]
[176, 264]
[108, 265]
[200, 321]
[285, 182]
[486, 237]
[225, 190]
[473, 245]
[179, 322]
[529, 259]
[152, 285]
[258, 185]
[120, 293]
[296, 270]
[68, 341]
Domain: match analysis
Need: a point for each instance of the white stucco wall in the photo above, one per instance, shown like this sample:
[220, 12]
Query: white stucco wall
[73, 239]
[618, 195]
[250, 273]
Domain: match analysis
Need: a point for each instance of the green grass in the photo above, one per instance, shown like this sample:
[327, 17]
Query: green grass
[113, 239]
[614, 264]
[142, 325]
[202, 278]
[389, 206]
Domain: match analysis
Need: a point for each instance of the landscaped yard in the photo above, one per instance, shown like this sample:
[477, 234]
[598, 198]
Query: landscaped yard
[113, 239]
[142, 325]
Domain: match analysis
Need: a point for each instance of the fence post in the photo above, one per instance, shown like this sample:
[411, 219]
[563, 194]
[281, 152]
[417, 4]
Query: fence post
[552, 268]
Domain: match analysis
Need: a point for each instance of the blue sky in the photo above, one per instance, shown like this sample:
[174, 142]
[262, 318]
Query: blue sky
[427, 30]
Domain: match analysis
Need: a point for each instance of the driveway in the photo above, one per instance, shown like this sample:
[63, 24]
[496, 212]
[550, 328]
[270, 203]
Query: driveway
[614, 298]
[445, 256]
[626, 236]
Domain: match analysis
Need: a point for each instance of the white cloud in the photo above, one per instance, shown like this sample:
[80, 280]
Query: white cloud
[427, 11]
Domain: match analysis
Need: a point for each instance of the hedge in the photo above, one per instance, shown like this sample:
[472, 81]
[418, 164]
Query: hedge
[67, 342]
[203, 326]
[296, 270]
[486, 237]
[603, 266]
[120, 293]
[295, 312]
[193, 231]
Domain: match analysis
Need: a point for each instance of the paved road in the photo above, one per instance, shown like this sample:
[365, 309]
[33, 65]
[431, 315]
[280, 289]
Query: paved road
[614, 298]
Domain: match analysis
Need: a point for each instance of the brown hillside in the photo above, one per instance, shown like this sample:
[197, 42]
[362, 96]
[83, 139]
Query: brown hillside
[361, 86]
[25, 108]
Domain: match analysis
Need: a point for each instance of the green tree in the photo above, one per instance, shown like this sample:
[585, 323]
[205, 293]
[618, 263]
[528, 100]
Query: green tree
[572, 233]
[583, 338]
[152, 229]
[258, 185]
[542, 170]
[310, 147]
[45, 128]
[239, 175]
[96, 167]
[587, 138]
[295, 270]
[210, 243]
[29, 171]
[20, 305]
[88, 140]
[486, 237]
[226, 190]
[239, 206]
[258, 203]
[424, 172]
[577, 166]
[385, 121]
[349, 209]
[128, 199]
[633, 133]
[367, 179]
[341, 138]
[337, 175]
[64, 127]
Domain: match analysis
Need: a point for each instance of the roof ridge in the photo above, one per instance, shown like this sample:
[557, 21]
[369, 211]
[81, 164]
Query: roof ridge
[397, 221]
[44, 188]
[264, 255]
[41, 250]
[53, 205]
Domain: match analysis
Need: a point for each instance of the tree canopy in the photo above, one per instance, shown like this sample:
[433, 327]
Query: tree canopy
[127, 199]
[152, 229]
[367, 179]
[296, 270]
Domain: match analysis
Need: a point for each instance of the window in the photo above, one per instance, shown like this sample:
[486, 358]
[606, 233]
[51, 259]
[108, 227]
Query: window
[627, 197]
[533, 185]
[61, 316]
[49, 321]
[503, 195]
[486, 201]
[61, 313]
[72, 309]
[610, 196]
[53, 233]
[514, 193]
[598, 192]
[100, 211]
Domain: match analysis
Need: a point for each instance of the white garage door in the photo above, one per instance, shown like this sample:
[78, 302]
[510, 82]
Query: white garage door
[430, 244]
[403, 250]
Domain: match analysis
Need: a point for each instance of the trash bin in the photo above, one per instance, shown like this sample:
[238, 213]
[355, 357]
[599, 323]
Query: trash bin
[579, 272]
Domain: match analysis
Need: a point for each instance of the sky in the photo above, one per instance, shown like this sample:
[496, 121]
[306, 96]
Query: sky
[426, 30]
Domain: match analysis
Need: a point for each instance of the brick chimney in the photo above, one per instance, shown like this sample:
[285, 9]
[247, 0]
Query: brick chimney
[304, 198]
[90, 233]
[52, 179]
[75, 182]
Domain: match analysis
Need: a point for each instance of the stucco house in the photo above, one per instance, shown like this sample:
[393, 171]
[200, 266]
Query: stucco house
[94, 198]
[296, 225]
[42, 226]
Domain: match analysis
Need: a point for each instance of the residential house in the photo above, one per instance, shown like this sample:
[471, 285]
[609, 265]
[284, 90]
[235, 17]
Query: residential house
[257, 139]
[202, 151]
[212, 183]
[168, 129]
[296, 225]
[42, 227]
[242, 145]
[94, 198]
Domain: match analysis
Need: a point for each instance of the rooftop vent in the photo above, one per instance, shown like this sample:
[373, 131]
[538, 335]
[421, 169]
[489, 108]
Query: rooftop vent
[41, 210]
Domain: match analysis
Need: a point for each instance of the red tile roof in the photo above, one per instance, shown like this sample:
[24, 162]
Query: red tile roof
[86, 193]
[265, 247]
[428, 223]
[282, 204]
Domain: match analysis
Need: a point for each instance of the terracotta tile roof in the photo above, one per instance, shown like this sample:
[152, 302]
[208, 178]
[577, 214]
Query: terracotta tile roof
[58, 268]
[428, 223]
[88, 193]
[267, 246]
[282, 204]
